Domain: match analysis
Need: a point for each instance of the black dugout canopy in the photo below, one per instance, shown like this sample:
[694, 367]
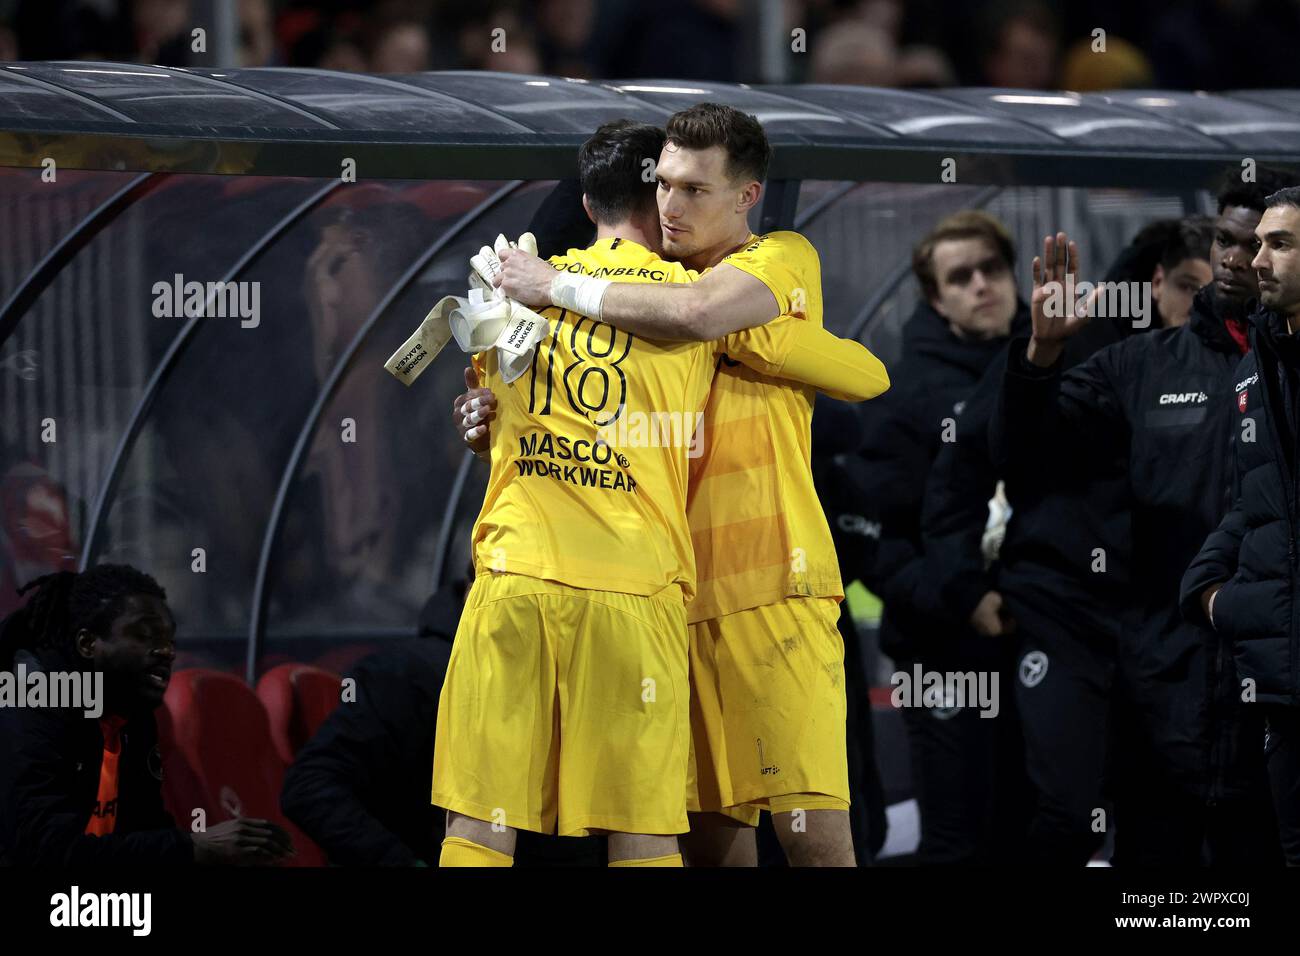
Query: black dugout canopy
[297, 502]
[300, 122]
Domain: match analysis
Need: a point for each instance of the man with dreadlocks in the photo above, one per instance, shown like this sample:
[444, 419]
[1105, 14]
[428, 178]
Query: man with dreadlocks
[84, 791]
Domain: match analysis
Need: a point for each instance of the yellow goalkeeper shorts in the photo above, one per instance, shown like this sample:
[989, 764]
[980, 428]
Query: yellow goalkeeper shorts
[566, 710]
[768, 710]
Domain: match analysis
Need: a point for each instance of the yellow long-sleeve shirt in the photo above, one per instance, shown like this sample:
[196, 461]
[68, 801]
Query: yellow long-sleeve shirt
[757, 526]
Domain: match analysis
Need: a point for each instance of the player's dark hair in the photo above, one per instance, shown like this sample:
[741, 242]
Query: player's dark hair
[1290, 196]
[612, 166]
[741, 134]
[1137, 261]
[1162, 242]
[966, 224]
[1191, 239]
[1233, 192]
[64, 602]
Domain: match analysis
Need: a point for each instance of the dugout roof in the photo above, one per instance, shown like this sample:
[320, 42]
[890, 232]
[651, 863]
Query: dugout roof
[296, 122]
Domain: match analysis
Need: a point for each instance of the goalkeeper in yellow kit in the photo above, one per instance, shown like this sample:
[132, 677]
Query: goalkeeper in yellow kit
[767, 661]
[566, 703]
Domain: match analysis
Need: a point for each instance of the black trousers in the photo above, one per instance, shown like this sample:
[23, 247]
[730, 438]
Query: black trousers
[1283, 751]
[968, 771]
[1111, 745]
[866, 795]
[1159, 825]
[1064, 684]
[1187, 771]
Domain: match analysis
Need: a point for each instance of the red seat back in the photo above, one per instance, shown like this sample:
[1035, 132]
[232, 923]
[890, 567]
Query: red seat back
[221, 730]
[297, 698]
[182, 790]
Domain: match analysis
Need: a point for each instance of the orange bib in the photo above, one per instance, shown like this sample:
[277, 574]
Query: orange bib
[104, 817]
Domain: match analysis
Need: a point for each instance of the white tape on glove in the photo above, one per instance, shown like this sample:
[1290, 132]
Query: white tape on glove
[418, 352]
[476, 325]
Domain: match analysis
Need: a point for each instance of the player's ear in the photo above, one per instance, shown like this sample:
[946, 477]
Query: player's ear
[586, 206]
[749, 196]
[85, 644]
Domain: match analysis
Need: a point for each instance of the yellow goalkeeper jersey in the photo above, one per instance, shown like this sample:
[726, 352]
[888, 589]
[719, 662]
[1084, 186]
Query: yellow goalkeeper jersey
[757, 526]
[591, 447]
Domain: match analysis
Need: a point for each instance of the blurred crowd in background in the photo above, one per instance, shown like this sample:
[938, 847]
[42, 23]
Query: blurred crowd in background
[1030, 44]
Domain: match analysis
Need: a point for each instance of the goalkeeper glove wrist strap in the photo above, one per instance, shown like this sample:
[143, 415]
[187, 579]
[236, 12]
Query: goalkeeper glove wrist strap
[577, 293]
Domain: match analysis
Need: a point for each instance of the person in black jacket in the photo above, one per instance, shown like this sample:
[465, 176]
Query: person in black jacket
[360, 787]
[1043, 567]
[60, 802]
[967, 770]
[837, 433]
[1244, 581]
[1189, 778]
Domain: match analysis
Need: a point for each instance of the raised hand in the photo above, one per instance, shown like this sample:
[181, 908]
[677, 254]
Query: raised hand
[1052, 307]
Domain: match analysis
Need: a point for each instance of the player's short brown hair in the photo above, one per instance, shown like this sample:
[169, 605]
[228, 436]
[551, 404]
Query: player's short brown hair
[967, 224]
[711, 124]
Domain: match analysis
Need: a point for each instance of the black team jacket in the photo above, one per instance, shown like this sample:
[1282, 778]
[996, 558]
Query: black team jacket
[360, 787]
[49, 784]
[931, 383]
[1254, 548]
[1161, 403]
[1047, 557]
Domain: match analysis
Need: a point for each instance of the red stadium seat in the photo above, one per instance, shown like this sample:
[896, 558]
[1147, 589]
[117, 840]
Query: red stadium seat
[221, 730]
[297, 698]
[182, 789]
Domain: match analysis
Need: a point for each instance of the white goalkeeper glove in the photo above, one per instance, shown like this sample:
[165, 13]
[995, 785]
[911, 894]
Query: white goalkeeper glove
[485, 266]
[485, 318]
